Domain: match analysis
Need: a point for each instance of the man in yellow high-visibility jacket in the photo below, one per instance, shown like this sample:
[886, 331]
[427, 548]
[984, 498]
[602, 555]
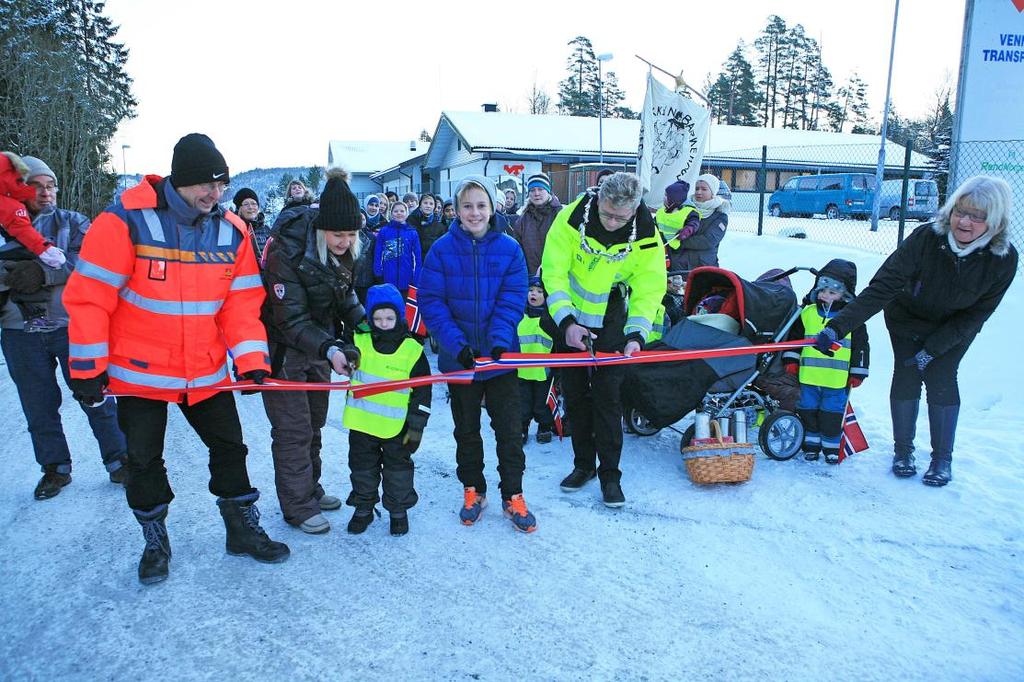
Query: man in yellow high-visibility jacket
[604, 270]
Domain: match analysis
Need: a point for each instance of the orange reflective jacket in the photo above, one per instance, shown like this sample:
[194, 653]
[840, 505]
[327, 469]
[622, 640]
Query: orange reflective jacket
[158, 303]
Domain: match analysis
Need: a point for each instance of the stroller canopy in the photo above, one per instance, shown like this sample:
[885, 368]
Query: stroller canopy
[761, 307]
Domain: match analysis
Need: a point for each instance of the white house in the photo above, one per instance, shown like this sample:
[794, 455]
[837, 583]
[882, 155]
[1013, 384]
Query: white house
[363, 159]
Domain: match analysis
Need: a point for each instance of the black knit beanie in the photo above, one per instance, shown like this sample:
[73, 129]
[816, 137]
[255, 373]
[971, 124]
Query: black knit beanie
[243, 194]
[196, 161]
[339, 208]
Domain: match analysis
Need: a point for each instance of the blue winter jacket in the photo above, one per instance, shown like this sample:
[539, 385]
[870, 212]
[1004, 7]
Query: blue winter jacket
[472, 292]
[397, 255]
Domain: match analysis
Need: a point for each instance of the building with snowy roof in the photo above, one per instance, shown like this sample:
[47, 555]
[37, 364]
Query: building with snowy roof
[364, 159]
[511, 147]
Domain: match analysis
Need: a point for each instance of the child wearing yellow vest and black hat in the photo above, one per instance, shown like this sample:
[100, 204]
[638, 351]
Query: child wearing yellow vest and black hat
[535, 332]
[825, 382]
[385, 429]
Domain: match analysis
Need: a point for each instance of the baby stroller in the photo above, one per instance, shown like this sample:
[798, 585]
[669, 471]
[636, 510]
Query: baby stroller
[761, 311]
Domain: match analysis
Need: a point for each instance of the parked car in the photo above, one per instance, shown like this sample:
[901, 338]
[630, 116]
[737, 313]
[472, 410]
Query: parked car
[922, 199]
[836, 195]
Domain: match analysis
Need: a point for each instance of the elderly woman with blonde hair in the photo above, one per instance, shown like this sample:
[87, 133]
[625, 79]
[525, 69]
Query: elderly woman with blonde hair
[937, 289]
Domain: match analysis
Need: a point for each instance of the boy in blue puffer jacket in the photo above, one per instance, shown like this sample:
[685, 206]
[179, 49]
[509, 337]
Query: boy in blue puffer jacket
[397, 253]
[472, 294]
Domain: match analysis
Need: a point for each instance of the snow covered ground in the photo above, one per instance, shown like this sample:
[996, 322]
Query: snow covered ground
[807, 572]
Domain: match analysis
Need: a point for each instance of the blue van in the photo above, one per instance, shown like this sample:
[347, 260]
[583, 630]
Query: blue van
[835, 195]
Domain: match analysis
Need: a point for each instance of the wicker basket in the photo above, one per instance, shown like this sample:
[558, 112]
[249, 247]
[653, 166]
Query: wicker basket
[719, 461]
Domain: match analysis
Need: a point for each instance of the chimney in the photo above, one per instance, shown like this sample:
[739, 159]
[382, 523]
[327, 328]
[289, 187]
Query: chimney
[489, 108]
[412, 145]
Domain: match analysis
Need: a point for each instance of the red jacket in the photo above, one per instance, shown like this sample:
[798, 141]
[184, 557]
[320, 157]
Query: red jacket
[161, 294]
[14, 218]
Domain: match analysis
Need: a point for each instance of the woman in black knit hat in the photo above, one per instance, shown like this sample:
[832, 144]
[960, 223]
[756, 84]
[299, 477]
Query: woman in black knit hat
[311, 306]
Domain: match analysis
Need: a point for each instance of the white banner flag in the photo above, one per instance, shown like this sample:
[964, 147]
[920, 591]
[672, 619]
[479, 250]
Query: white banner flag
[673, 132]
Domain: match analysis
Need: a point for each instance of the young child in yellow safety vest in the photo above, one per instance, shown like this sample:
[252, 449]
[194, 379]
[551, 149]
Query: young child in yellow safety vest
[676, 222]
[825, 382]
[535, 331]
[385, 429]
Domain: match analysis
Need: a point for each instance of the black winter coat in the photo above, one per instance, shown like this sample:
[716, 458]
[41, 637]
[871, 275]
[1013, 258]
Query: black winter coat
[701, 248]
[309, 304]
[930, 293]
[428, 233]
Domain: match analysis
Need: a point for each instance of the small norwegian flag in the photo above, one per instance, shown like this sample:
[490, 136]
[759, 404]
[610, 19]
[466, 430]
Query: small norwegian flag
[853, 440]
[555, 404]
[412, 313]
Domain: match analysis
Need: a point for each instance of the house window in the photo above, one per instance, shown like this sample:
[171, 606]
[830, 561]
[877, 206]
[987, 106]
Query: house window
[745, 180]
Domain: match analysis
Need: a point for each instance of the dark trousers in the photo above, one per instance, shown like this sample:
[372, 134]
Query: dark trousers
[939, 377]
[31, 360]
[502, 399]
[594, 405]
[533, 403]
[215, 419]
[296, 418]
[371, 460]
[821, 411]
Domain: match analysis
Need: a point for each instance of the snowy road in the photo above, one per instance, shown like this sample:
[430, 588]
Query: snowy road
[808, 572]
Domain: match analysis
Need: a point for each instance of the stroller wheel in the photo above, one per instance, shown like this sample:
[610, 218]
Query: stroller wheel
[781, 435]
[687, 438]
[639, 425]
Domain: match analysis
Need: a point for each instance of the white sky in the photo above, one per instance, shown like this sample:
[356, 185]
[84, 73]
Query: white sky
[271, 82]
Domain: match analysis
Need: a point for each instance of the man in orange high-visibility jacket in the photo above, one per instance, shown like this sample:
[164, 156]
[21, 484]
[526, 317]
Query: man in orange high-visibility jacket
[166, 285]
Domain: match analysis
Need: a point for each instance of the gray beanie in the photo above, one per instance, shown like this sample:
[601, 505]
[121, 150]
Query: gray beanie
[37, 167]
[486, 183]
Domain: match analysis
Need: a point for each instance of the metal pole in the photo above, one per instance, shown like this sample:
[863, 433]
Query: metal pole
[903, 194]
[600, 114]
[124, 168]
[880, 170]
[763, 182]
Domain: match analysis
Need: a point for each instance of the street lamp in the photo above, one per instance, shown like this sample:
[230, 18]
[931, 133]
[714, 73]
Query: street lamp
[124, 167]
[604, 57]
[880, 169]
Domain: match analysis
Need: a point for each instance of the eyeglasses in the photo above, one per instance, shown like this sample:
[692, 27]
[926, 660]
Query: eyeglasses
[608, 218]
[249, 203]
[975, 218]
[48, 187]
[211, 187]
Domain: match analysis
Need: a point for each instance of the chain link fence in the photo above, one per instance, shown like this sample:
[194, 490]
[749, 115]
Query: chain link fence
[825, 194]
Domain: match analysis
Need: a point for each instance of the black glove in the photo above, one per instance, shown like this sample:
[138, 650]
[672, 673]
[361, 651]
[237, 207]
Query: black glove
[89, 391]
[824, 340]
[920, 360]
[415, 423]
[466, 357]
[26, 277]
[256, 376]
[497, 352]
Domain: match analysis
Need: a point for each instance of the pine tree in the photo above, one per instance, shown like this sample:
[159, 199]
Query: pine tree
[64, 90]
[851, 106]
[734, 95]
[314, 176]
[770, 45]
[577, 93]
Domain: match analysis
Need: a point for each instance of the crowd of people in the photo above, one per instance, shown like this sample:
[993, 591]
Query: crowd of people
[167, 292]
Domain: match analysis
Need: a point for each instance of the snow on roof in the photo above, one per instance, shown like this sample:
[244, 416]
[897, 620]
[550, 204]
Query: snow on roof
[358, 156]
[576, 134]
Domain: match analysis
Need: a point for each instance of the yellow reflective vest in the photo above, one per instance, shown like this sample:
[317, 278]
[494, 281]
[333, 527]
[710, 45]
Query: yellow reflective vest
[580, 283]
[382, 415]
[661, 324]
[669, 224]
[816, 368]
[533, 339]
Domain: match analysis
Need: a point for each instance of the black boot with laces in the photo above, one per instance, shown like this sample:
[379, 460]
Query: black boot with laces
[245, 535]
[157, 555]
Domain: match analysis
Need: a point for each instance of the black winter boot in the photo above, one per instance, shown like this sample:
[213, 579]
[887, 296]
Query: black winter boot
[942, 423]
[361, 520]
[904, 426]
[399, 524]
[245, 535]
[156, 556]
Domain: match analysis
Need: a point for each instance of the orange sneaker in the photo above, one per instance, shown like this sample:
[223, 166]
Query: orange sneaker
[472, 506]
[515, 510]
